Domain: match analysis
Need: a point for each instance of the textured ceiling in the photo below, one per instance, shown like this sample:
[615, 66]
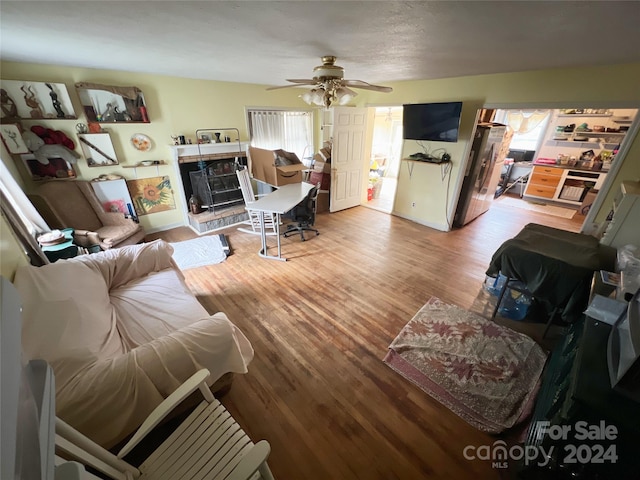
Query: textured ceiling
[268, 41]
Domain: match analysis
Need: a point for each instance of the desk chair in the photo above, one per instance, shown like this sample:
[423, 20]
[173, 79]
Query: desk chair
[254, 217]
[304, 215]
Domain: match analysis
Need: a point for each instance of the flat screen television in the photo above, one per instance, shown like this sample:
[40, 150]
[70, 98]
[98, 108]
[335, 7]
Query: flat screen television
[438, 122]
[623, 351]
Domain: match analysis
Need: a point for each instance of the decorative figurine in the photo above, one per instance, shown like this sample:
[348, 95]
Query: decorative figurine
[7, 104]
[121, 116]
[32, 102]
[54, 100]
[217, 134]
[109, 114]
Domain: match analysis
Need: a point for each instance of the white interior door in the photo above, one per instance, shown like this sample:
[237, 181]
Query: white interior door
[347, 157]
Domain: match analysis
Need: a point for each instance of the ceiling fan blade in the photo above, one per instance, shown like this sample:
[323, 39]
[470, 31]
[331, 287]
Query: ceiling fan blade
[297, 82]
[366, 86]
[302, 81]
[281, 86]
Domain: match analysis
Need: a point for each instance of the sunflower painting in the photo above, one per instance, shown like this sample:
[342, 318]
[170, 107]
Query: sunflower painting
[151, 195]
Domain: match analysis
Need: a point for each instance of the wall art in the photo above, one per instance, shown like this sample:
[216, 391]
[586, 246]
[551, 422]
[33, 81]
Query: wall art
[98, 149]
[56, 168]
[107, 103]
[12, 139]
[151, 195]
[35, 100]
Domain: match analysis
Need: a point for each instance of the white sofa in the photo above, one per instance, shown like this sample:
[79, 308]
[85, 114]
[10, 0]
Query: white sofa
[122, 331]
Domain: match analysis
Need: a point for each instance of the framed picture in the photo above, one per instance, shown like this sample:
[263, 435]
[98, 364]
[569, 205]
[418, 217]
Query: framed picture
[151, 195]
[110, 103]
[56, 168]
[98, 149]
[205, 138]
[113, 195]
[12, 139]
[35, 100]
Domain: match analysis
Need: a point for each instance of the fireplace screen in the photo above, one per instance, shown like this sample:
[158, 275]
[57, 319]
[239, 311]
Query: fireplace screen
[217, 186]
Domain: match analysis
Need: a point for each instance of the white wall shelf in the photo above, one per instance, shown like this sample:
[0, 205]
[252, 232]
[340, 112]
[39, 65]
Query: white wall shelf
[574, 144]
[585, 115]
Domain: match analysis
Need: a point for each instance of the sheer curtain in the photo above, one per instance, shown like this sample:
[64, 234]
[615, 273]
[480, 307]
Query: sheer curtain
[525, 121]
[289, 130]
[528, 126]
[22, 216]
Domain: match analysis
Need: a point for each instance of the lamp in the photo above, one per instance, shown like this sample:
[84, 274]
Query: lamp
[315, 96]
[325, 94]
[345, 95]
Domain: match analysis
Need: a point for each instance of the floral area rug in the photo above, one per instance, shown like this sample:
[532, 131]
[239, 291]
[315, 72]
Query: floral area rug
[485, 373]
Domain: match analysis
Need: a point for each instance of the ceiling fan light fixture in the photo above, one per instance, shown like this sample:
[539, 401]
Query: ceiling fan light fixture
[315, 96]
[329, 98]
[345, 95]
[329, 85]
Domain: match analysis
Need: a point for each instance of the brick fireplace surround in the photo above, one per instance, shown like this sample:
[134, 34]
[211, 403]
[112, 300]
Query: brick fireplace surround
[186, 158]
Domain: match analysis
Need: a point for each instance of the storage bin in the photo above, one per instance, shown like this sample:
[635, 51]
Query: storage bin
[515, 302]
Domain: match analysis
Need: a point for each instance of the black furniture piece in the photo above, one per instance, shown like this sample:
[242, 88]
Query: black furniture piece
[304, 215]
[555, 266]
[576, 396]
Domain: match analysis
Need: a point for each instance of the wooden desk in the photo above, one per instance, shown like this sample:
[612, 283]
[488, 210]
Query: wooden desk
[279, 202]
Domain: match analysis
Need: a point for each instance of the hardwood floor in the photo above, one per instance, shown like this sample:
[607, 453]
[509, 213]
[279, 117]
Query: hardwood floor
[320, 325]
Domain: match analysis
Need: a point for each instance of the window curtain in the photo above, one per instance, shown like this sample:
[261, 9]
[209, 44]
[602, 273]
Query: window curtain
[22, 216]
[273, 129]
[524, 122]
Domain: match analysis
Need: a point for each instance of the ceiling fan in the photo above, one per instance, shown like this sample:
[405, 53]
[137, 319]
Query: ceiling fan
[330, 86]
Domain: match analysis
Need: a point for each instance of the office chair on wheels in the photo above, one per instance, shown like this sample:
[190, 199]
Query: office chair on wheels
[304, 215]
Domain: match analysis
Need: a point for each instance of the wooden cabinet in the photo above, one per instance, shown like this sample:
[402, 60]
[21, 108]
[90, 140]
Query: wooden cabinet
[562, 184]
[543, 182]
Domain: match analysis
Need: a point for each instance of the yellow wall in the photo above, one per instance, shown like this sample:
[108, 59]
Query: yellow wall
[176, 106]
[609, 86]
[180, 106]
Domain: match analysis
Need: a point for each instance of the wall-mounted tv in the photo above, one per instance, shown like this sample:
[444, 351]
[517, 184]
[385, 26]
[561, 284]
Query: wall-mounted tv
[438, 122]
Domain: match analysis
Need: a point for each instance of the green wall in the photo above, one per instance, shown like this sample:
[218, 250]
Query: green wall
[180, 106]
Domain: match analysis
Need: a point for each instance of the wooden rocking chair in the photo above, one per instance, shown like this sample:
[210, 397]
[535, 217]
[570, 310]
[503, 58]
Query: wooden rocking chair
[209, 444]
[254, 217]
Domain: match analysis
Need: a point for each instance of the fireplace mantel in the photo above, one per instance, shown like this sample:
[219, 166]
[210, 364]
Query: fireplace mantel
[185, 159]
[188, 152]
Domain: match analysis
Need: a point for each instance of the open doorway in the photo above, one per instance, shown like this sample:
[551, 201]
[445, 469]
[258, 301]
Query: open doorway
[558, 159]
[384, 163]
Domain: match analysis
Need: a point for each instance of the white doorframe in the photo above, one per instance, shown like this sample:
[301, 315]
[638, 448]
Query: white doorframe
[370, 141]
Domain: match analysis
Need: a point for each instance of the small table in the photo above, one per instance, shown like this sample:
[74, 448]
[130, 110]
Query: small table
[65, 249]
[279, 202]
